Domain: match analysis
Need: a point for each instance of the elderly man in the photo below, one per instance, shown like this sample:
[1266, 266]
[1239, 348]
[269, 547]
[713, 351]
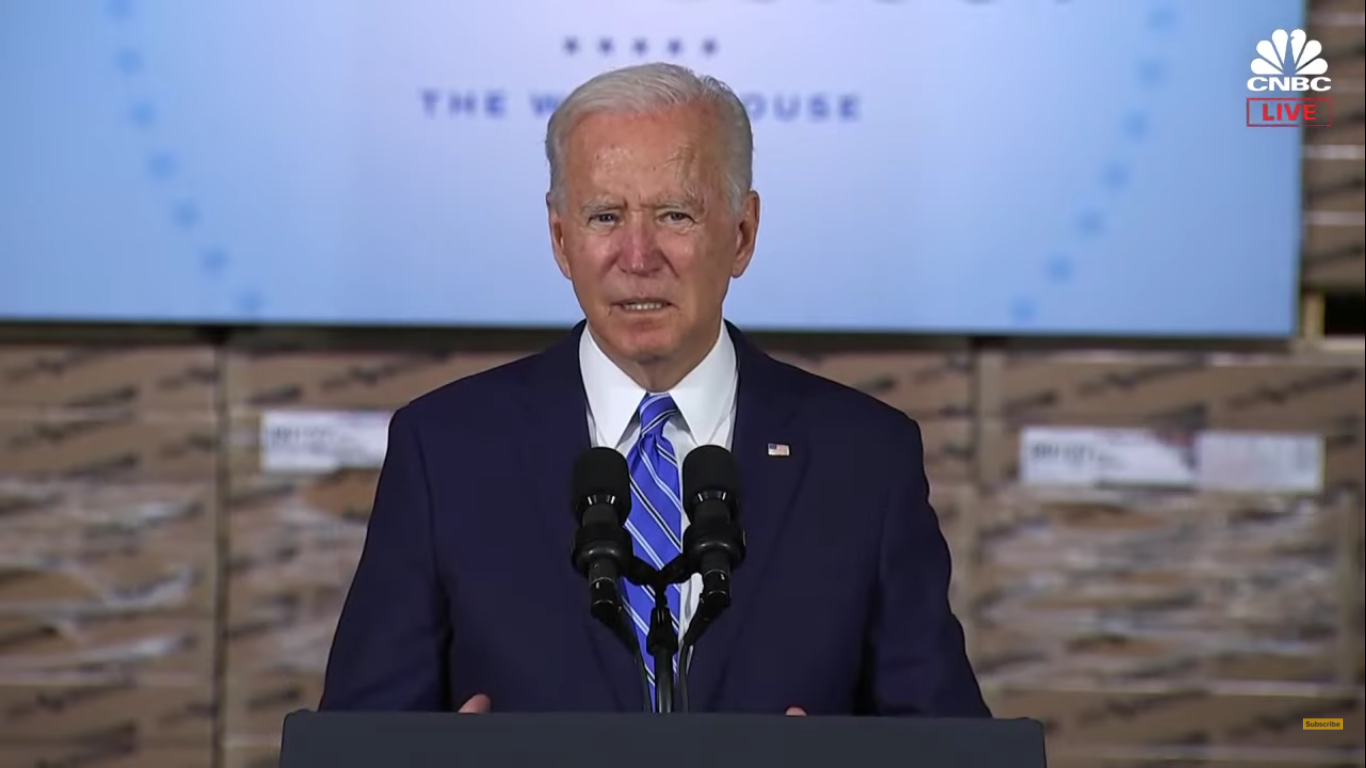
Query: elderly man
[464, 597]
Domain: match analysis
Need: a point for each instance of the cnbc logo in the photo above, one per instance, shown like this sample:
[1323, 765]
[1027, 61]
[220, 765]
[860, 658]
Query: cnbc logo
[1291, 63]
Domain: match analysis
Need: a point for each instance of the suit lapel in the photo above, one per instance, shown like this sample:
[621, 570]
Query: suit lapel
[765, 405]
[558, 434]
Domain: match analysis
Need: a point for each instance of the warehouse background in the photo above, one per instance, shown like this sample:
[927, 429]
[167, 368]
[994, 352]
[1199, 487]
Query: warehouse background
[165, 598]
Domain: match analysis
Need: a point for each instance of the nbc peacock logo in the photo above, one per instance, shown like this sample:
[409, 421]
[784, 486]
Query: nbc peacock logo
[1291, 63]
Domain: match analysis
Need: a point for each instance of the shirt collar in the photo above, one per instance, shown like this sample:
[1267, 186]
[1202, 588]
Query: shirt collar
[703, 397]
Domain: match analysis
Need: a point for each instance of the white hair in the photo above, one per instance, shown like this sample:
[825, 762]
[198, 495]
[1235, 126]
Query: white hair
[647, 88]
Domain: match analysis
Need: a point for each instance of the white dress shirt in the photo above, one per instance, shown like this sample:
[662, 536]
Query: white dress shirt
[706, 415]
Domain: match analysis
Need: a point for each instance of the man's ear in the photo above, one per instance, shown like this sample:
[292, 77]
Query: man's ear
[746, 234]
[556, 235]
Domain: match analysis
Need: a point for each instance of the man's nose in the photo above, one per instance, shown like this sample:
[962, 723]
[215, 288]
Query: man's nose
[640, 247]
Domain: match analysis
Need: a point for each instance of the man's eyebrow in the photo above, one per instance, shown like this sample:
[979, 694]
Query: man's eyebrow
[599, 204]
[687, 199]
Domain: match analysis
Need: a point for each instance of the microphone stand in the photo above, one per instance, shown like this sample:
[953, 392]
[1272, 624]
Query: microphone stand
[661, 642]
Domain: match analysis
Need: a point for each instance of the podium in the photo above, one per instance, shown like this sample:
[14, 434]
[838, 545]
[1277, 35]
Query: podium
[446, 740]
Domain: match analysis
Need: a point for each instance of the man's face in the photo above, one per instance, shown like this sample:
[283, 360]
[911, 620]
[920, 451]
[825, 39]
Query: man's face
[646, 232]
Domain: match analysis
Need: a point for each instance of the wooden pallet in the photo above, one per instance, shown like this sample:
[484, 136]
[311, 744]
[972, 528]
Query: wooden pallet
[1320, 320]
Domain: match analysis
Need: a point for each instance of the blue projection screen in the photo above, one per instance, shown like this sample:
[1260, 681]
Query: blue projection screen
[948, 166]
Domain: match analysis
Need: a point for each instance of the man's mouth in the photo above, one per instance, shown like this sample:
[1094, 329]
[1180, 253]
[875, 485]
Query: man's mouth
[643, 305]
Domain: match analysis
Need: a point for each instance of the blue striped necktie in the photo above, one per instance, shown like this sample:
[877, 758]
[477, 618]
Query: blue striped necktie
[656, 519]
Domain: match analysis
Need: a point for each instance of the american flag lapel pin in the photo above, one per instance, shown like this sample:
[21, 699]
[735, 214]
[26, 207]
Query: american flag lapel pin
[779, 449]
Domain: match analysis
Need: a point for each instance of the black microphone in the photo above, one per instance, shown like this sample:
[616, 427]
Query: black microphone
[601, 500]
[602, 547]
[714, 542]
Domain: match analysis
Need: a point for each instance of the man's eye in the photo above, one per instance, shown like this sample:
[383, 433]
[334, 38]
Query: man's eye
[604, 218]
[677, 216]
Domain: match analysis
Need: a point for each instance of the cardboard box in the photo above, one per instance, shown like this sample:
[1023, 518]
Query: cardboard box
[112, 445]
[1344, 444]
[260, 506]
[926, 385]
[1334, 185]
[1337, 25]
[1355, 575]
[81, 547]
[1190, 722]
[44, 715]
[293, 546]
[1191, 390]
[1100, 589]
[1333, 255]
[1346, 124]
[113, 752]
[284, 604]
[261, 378]
[258, 703]
[237, 754]
[950, 451]
[66, 675]
[96, 378]
[74, 649]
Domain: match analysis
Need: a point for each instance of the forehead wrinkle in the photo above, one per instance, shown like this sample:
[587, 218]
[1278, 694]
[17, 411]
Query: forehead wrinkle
[681, 184]
[691, 165]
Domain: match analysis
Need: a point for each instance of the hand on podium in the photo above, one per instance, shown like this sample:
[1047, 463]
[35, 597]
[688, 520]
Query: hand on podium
[796, 712]
[477, 705]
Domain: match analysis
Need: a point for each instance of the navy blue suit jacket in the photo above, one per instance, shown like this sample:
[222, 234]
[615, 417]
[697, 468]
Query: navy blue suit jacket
[465, 584]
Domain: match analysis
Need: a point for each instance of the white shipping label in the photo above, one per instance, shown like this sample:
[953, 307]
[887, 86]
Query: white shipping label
[1084, 456]
[1260, 462]
[323, 441]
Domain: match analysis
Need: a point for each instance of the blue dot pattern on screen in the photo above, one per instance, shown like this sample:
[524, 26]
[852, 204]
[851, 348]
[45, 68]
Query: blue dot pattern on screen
[1089, 223]
[1058, 267]
[163, 166]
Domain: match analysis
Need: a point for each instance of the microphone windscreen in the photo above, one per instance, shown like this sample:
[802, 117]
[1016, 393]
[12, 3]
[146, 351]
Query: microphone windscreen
[601, 472]
[710, 468]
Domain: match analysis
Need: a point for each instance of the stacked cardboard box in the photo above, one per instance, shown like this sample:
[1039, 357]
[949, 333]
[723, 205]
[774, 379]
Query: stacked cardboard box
[1335, 232]
[294, 538]
[1175, 393]
[108, 532]
[1181, 626]
[1167, 625]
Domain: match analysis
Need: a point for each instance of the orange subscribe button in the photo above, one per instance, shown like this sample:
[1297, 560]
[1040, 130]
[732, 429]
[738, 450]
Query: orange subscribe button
[1322, 723]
